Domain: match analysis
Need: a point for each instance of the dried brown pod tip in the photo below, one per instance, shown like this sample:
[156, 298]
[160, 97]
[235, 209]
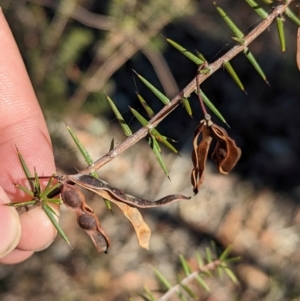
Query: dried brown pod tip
[74, 199]
[225, 154]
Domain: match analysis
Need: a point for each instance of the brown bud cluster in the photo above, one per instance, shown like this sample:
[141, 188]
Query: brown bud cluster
[74, 199]
[225, 154]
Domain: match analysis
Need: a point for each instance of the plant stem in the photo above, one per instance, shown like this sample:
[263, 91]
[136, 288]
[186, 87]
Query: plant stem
[178, 287]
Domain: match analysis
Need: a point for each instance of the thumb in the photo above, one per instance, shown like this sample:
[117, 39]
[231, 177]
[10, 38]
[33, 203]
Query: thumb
[10, 227]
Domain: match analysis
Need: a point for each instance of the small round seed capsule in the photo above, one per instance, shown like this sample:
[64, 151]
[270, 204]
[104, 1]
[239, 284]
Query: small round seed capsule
[72, 197]
[87, 221]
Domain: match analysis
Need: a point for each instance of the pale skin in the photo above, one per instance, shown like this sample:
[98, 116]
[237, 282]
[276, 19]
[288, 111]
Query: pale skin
[21, 124]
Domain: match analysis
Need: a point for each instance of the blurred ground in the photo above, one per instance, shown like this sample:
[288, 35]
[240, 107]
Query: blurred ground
[256, 208]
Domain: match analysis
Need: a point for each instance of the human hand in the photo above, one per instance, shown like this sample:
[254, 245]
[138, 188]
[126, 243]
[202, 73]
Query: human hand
[21, 124]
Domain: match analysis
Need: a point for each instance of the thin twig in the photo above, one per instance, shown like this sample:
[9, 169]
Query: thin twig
[178, 287]
[141, 133]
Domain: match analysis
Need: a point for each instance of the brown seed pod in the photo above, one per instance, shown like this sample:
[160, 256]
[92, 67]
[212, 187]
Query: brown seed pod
[87, 221]
[226, 153]
[96, 185]
[72, 197]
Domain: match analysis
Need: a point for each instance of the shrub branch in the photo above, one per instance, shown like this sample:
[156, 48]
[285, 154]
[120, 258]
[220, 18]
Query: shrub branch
[187, 280]
[190, 88]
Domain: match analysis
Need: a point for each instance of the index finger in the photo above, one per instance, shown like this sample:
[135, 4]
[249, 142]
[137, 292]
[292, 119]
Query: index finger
[22, 124]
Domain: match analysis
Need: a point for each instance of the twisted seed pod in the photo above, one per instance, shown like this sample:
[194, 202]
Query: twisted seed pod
[74, 199]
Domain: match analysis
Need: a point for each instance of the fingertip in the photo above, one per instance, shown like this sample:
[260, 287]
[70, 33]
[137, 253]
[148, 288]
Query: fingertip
[38, 231]
[10, 226]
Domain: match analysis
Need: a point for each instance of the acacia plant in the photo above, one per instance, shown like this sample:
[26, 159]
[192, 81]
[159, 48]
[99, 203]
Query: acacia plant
[225, 154]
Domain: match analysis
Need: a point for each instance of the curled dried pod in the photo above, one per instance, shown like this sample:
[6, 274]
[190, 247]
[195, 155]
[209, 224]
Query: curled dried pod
[89, 222]
[226, 153]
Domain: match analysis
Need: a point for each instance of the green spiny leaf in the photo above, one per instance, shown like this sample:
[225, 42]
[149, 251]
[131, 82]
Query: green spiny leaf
[26, 171]
[87, 157]
[202, 283]
[233, 74]
[124, 125]
[186, 268]
[157, 153]
[145, 298]
[233, 259]
[153, 131]
[149, 293]
[199, 259]
[53, 201]
[209, 256]
[181, 296]
[229, 22]
[147, 108]
[255, 64]
[231, 275]
[188, 291]
[185, 52]
[280, 28]
[212, 107]
[226, 252]
[51, 215]
[24, 166]
[162, 279]
[220, 272]
[187, 106]
[260, 11]
[292, 16]
[164, 99]
[36, 183]
[49, 187]
[139, 117]
[26, 190]
[21, 204]
[112, 144]
[201, 56]
[164, 140]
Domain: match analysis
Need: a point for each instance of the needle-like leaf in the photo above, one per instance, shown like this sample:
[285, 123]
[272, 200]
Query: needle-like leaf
[157, 152]
[255, 64]
[212, 107]
[186, 268]
[239, 34]
[147, 108]
[188, 291]
[52, 216]
[280, 28]
[187, 106]
[124, 125]
[162, 279]
[189, 55]
[163, 98]
[259, 10]
[292, 16]
[87, 157]
[202, 283]
[153, 131]
[233, 74]
[231, 275]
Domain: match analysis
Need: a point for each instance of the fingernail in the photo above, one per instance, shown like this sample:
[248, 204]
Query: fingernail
[10, 229]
